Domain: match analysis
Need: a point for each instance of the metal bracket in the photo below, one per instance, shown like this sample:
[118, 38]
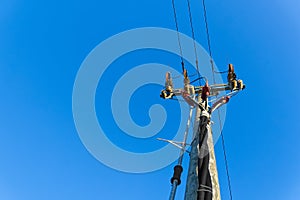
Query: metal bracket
[175, 143]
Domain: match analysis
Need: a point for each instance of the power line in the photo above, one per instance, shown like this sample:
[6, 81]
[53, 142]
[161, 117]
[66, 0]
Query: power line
[206, 26]
[178, 37]
[208, 40]
[194, 42]
[225, 157]
[219, 117]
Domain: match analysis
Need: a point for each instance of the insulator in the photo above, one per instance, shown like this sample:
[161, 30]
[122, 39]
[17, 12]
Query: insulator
[241, 84]
[189, 89]
[230, 68]
[177, 174]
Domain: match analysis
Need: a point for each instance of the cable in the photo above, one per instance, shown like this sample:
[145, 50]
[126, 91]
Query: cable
[198, 79]
[222, 72]
[213, 73]
[208, 40]
[178, 37]
[194, 42]
[206, 26]
[225, 157]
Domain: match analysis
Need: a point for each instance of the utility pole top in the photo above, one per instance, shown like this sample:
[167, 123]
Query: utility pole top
[232, 85]
[202, 180]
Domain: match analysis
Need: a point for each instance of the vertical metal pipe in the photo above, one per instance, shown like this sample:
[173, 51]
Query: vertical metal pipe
[176, 182]
[185, 137]
[173, 190]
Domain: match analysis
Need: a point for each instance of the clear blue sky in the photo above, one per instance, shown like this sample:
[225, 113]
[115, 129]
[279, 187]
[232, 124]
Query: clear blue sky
[42, 45]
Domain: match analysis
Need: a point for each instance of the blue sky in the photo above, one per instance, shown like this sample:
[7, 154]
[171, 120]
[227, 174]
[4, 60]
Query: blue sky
[42, 45]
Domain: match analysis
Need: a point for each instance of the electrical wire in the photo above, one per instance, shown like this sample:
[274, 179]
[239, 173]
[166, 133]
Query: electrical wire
[208, 41]
[194, 42]
[225, 157]
[219, 116]
[222, 72]
[197, 80]
[178, 37]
